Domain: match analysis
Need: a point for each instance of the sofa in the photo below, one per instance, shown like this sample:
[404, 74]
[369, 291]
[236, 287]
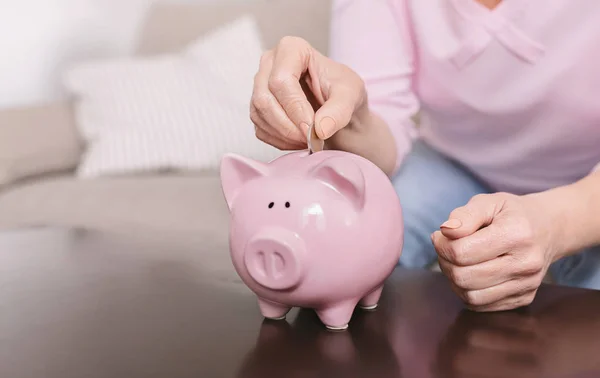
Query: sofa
[40, 147]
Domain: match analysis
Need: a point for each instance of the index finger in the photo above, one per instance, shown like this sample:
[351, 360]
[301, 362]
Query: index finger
[484, 245]
[292, 60]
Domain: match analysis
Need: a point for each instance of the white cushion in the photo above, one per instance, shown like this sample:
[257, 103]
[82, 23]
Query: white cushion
[170, 112]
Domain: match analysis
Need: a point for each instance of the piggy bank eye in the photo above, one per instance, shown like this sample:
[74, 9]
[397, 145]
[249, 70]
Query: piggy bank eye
[271, 205]
[287, 204]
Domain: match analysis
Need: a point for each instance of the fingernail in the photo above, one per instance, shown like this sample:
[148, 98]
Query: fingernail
[432, 236]
[327, 125]
[452, 224]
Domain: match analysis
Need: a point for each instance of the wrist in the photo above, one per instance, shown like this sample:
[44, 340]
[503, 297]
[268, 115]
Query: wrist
[572, 215]
[361, 117]
[369, 136]
[550, 209]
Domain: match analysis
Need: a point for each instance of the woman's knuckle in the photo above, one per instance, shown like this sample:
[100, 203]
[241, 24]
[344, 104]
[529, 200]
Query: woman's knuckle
[443, 249]
[295, 103]
[531, 286]
[478, 196]
[522, 288]
[473, 298]
[459, 277]
[526, 299]
[278, 82]
[533, 265]
[261, 102]
[351, 80]
[290, 40]
[463, 213]
[449, 250]
[254, 117]
[459, 253]
[294, 108]
[287, 133]
[287, 39]
[524, 232]
[451, 255]
[260, 135]
[266, 56]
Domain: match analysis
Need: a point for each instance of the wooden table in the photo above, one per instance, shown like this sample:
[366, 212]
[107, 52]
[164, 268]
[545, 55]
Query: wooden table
[77, 304]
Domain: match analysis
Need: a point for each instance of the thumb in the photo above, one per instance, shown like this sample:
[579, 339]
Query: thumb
[479, 212]
[335, 114]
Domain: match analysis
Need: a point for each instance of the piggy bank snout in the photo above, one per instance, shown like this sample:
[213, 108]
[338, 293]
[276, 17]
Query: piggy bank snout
[274, 258]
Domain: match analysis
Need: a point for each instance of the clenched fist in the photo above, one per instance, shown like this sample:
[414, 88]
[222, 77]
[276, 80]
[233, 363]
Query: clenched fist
[496, 249]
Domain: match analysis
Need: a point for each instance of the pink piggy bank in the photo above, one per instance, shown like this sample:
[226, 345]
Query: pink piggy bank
[320, 231]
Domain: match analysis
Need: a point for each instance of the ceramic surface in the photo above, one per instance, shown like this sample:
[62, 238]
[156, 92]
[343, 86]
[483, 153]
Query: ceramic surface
[319, 231]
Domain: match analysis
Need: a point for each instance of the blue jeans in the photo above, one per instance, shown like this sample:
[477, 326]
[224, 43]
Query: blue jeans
[430, 186]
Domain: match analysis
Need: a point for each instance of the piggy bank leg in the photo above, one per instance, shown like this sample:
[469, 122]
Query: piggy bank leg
[371, 300]
[338, 316]
[271, 310]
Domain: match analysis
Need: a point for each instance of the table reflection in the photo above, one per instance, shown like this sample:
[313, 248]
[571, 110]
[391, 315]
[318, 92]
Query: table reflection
[558, 339]
[422, 330]
[305, 348]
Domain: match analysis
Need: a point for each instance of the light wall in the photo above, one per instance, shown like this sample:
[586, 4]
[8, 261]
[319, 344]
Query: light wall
[39, 38]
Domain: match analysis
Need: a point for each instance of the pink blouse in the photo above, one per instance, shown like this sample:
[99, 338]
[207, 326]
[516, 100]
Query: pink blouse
[512, 93]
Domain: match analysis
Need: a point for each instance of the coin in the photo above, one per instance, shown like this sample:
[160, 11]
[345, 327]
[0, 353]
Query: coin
[314, 143]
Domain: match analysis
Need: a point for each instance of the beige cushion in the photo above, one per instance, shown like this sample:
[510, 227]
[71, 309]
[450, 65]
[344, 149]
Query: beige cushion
[175, 111]
[171, 26]
[37, 141]
[185, 203]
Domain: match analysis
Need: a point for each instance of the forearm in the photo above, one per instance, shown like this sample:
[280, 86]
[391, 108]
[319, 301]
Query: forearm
[577, 214]
[374, 39]
[369, 136]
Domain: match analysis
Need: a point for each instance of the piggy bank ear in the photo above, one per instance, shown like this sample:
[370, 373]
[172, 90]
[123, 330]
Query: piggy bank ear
[236, 171]
[345, 176]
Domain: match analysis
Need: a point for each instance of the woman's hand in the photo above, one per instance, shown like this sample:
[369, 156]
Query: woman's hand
[293, 82]
[496, 249]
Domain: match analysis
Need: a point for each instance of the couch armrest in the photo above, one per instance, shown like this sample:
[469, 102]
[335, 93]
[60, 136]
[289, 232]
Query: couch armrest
[37, 140]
